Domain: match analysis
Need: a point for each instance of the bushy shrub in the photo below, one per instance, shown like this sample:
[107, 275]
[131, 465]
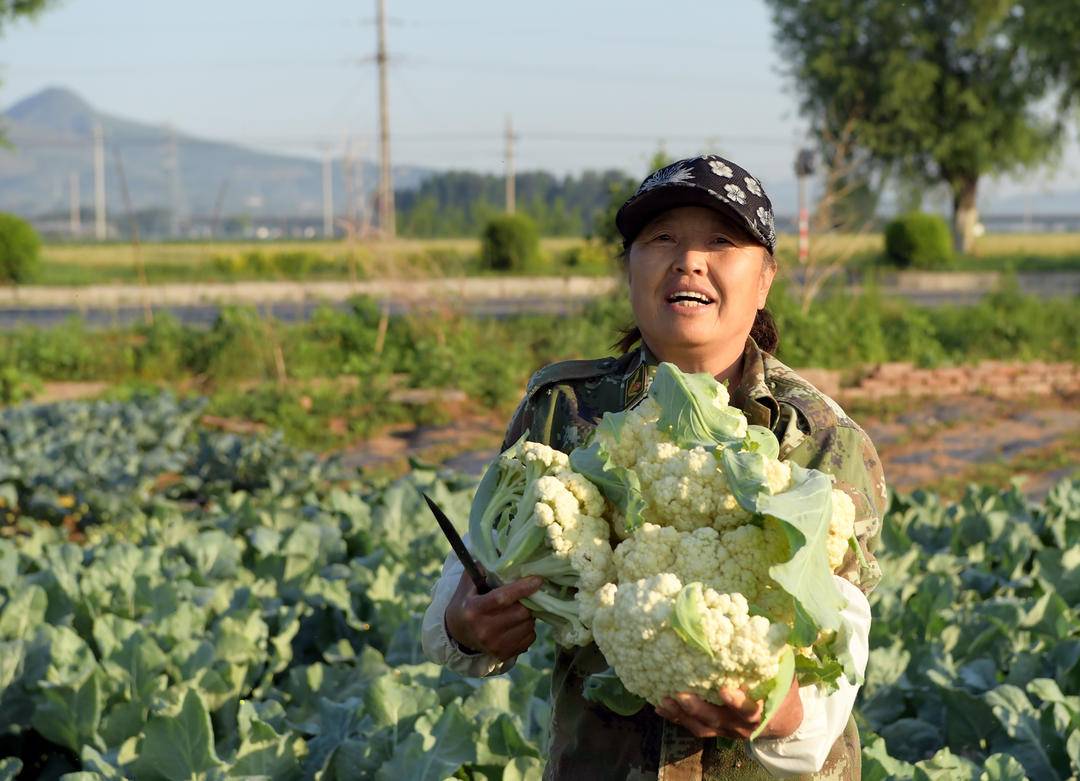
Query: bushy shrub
[237, 346]
[589, 257]
[16, 385]
[510, 242]
[20, 250]
[918, 240]
[162, 349]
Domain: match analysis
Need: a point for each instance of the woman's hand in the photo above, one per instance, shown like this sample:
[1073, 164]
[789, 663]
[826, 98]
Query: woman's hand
[737, 718]
[495, 623]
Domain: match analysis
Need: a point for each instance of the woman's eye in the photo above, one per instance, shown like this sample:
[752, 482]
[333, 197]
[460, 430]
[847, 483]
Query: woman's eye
[722, 240]
[663, 237]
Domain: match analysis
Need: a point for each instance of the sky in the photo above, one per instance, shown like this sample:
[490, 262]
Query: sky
[587, 85]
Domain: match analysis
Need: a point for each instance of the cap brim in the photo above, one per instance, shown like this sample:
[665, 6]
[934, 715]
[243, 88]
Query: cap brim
[640, 211]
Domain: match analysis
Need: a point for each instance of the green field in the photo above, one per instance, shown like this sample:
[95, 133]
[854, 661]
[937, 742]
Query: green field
[83, 264]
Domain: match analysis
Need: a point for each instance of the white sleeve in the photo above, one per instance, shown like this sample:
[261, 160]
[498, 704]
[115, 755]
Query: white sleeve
[438, 646]
[824, 717]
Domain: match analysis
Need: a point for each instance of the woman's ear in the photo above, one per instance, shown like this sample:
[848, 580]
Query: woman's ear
[768, 274]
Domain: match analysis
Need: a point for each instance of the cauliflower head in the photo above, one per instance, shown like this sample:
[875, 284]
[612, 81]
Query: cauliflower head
[633, 627]
[533, 515]
[729, 562]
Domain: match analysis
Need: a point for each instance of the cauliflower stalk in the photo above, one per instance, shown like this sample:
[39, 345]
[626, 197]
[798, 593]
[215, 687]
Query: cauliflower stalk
[532, 515]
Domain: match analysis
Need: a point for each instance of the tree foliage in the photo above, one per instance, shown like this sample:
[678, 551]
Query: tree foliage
[945, 90]
[460, 203]
[13, 9]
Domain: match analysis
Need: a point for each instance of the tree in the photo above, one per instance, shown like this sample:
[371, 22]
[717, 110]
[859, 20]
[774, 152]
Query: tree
[945, 90]
[13, 9]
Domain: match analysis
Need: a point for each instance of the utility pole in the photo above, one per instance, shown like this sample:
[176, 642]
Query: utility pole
[804, 169]
[75, 212]
[510, 194]
[386, 185]
[100, 231]
[327, 196]
[176, 191]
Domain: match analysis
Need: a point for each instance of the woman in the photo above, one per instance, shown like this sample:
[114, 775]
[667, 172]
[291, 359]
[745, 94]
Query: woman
[699, 243]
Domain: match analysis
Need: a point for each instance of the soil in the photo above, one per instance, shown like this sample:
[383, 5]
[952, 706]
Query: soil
[937, 443]
[954, 439]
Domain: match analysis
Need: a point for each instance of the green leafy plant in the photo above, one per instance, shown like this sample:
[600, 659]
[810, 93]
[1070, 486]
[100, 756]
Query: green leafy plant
[20, 250]
[918, 240]
[510, 242]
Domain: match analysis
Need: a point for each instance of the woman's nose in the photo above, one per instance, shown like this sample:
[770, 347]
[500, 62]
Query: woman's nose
[691, 261]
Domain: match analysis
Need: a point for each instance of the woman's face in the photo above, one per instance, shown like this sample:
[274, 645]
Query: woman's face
[696, 283]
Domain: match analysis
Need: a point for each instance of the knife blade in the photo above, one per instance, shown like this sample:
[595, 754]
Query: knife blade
[448, 530]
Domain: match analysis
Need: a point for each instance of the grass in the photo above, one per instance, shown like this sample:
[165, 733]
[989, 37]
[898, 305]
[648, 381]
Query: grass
[179, 262]
[993, 252]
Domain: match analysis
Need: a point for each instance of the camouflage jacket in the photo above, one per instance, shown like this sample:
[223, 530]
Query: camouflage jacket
[562, 405]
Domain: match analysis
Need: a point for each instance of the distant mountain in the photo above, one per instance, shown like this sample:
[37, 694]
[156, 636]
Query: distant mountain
[52, 137]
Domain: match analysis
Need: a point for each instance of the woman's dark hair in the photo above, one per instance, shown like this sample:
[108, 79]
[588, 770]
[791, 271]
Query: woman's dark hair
[764, 330]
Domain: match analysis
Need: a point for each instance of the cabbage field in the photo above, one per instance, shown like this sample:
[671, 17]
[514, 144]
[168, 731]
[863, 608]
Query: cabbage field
[184, 604]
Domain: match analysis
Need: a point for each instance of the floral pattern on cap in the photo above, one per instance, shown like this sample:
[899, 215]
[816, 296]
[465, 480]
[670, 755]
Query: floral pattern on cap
[766, 220]
[753, 185]
[673, 174]
[735, 193]
[720, 168]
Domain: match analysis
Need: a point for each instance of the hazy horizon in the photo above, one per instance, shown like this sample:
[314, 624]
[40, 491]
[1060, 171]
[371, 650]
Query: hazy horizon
[598, 86]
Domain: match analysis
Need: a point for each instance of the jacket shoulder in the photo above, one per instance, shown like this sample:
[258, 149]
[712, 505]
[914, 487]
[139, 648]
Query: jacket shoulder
[572, 371]
[816, 410]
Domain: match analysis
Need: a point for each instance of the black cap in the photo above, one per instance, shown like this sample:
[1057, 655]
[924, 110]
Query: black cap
[711, 181]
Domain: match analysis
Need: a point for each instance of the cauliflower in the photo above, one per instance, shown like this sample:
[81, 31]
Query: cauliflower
[724, 568]
[841, 528]
[532, 515]
[735, 561]
[638, 628]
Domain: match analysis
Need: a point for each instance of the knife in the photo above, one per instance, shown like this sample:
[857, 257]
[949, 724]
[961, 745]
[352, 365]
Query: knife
[448, 530]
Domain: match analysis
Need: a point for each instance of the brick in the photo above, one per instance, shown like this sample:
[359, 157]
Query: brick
[893, 369]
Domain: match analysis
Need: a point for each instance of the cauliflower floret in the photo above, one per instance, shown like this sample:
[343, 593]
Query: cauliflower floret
[633, 628]
[587, 494]
[572, 532]
[736, 561]
[841, 528]
[686, 489]
[638, 431]
[550, 458]
[777, 476]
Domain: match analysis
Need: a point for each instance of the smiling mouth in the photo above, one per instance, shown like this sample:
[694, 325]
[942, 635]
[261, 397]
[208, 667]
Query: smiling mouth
[689, 300]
